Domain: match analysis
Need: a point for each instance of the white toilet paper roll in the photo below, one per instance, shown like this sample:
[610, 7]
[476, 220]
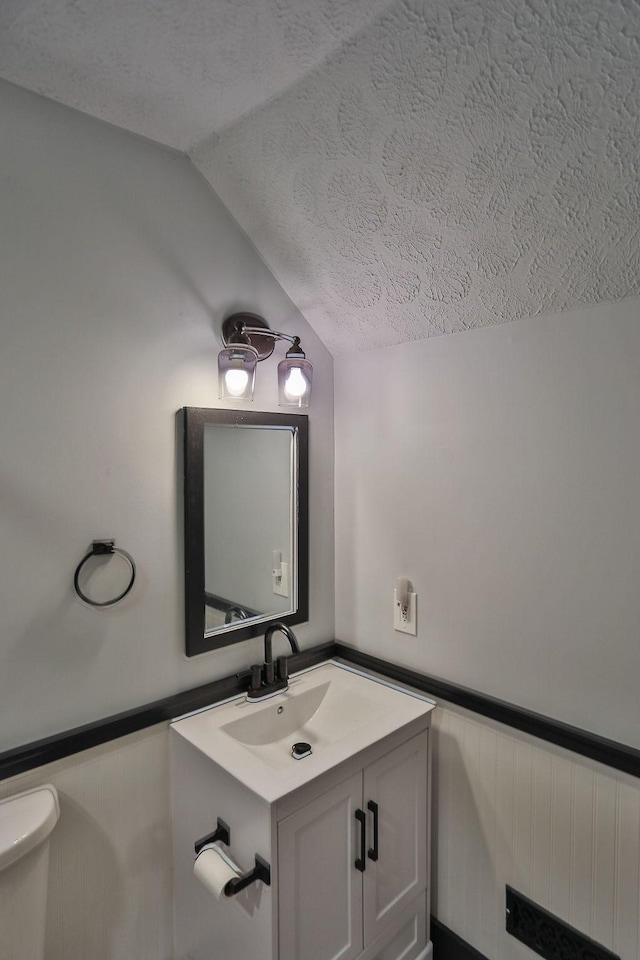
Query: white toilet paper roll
[214, 870]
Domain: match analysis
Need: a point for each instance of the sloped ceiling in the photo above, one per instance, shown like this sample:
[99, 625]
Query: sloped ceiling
[407, 168]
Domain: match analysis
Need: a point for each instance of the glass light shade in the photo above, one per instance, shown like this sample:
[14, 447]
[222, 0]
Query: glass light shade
[294, 382]
[237, 372]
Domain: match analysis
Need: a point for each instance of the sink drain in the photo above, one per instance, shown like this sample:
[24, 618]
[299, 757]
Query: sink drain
[300, 750]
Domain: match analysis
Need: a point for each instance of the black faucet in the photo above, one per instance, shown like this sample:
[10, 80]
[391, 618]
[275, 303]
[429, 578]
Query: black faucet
[238, 612]
[264, 682]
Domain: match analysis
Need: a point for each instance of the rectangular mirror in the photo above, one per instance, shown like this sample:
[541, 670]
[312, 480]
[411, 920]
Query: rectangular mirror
[245, 522]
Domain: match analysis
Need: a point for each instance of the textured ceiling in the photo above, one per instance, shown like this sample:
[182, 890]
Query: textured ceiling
[407, 168]
[172, 70]
[456, 164]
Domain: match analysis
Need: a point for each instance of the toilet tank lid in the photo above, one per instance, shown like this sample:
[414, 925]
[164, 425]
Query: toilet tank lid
[26, 819]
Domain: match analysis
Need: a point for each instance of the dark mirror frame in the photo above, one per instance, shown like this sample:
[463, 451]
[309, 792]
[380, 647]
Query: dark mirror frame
[194, 421]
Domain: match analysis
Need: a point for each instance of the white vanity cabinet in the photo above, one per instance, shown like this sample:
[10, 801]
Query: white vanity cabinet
[345, 830]
[354, 860]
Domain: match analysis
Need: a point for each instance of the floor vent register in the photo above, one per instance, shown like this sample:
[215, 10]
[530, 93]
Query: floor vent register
[547, 935]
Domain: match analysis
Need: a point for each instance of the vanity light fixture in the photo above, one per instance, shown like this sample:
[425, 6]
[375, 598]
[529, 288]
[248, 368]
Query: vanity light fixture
[248, 339]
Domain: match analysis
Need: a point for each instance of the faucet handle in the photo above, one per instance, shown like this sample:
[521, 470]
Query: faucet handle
[283, 668]
[256, 677]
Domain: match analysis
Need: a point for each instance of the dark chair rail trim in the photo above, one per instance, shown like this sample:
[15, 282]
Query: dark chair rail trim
[619, 756]
[609, 752]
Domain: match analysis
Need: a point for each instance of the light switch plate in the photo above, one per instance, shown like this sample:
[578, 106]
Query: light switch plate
[410, 624]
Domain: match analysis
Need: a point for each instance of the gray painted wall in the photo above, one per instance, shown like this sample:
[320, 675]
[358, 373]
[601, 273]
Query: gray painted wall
[499, 470]
[117, 264]
[502, 479]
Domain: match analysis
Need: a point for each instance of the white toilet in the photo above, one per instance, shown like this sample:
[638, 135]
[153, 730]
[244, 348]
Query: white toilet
[26, 820]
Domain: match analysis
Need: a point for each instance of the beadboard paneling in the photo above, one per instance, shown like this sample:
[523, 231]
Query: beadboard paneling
[508, 808]
[110, 887]
[561, 829]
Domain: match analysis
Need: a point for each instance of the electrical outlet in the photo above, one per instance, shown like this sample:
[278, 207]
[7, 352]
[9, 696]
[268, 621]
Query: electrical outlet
[407, 622]
[281, 583]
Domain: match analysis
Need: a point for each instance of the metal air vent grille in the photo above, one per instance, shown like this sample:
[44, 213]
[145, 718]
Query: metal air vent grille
[547, 935]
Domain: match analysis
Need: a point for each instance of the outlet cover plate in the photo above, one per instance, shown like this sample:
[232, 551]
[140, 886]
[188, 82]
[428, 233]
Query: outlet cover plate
[282, 588]
[410, 625]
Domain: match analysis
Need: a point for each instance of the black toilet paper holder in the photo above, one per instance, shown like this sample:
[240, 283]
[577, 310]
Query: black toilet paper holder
[222, 833]
[261, 870]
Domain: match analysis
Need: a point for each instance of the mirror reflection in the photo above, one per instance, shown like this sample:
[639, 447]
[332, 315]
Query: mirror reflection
[246, 506]
[249, 523]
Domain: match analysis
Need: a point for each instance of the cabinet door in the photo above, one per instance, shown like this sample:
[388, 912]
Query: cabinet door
[319, 888]
[395, 794]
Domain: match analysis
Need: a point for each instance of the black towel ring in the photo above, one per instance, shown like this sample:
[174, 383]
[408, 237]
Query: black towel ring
[101, 548]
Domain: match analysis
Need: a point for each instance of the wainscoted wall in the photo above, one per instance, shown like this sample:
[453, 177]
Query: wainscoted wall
[507, 809]
[563, 830]
[110, 890]
[498, 470]
[117, 266]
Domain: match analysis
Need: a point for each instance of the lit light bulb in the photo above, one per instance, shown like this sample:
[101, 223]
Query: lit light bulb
[236, 382]
[295, 384]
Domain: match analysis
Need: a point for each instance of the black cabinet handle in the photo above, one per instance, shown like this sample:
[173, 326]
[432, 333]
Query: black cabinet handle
[373, 851]
[361, 863]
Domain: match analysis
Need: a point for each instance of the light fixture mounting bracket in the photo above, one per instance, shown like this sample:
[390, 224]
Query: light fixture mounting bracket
[264, 345]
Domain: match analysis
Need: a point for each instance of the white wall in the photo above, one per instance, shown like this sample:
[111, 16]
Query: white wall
[117, 265]
[499, 469]
[503, 480]
[110, 864]
[559, 828]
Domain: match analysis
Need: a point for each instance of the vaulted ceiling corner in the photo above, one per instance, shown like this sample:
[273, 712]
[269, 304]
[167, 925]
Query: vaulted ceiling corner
[407, 168]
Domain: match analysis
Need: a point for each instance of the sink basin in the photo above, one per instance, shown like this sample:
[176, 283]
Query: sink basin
[319, 716]
[274, 721]
[335, 709]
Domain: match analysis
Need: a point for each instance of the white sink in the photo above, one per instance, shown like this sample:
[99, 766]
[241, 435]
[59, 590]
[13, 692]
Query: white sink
[335, 709]
[269, 722]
